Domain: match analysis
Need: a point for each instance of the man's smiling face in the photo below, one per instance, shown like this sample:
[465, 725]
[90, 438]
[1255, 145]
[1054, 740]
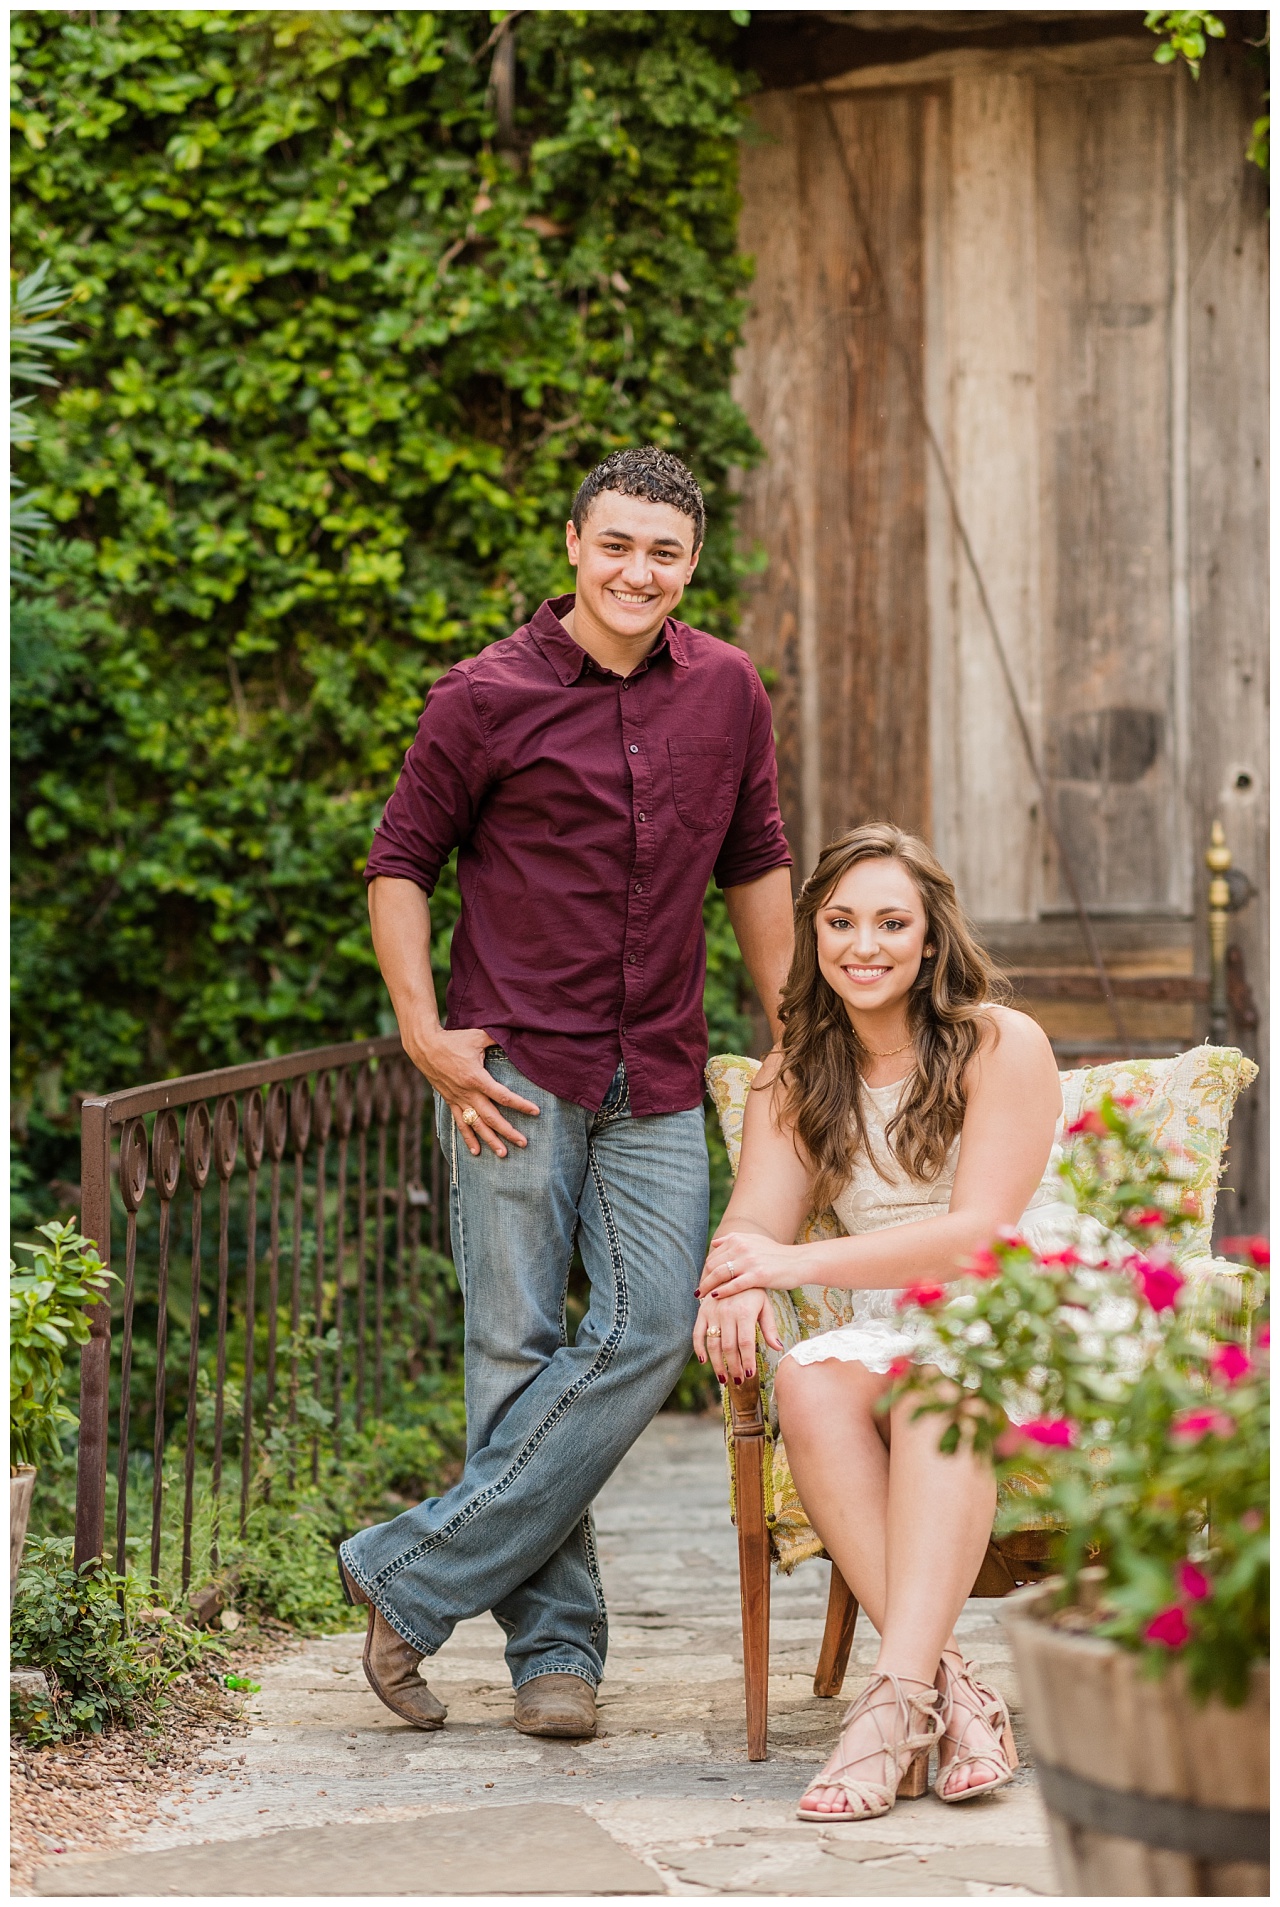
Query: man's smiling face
[634, 559]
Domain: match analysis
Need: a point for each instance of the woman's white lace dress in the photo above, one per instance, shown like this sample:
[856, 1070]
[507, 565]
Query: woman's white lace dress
[879, 1332]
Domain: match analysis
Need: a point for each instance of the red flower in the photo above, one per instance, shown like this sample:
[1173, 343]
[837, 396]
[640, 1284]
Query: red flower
[1256, 1250]
[1061, 1260]
[1191, 1425]
[1169, 1627]
[900, 1366]
[1230, 1363]
[1160, 1283]
[1193, 1583]
[1057, 1432]
[923, 1295]
[1150, 1215]
[983, 1263]
[1090, 1122]
[1012, 1239]
[1125, 1102]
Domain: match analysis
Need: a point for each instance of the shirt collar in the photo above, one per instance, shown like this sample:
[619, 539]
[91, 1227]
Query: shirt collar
[569, 659]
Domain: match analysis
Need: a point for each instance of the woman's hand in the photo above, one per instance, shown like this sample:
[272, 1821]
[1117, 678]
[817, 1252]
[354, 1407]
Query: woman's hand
[747, 1261]
[726, 1333]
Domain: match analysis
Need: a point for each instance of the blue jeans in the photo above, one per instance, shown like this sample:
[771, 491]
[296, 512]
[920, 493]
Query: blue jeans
[548, 1421]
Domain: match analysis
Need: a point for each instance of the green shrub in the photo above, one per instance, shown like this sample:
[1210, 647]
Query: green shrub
[49, 1306]
[109, 1651]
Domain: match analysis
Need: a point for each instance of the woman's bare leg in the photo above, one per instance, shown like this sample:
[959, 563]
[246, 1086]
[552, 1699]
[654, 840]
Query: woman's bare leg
[905, 1525]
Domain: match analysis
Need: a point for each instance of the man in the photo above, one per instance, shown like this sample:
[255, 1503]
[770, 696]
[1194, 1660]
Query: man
[594, 770]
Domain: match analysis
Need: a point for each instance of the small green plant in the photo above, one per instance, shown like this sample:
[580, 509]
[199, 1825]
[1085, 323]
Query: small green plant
[49, 1305]
[1185, 34]
[1142, 1405]
[108, 1651]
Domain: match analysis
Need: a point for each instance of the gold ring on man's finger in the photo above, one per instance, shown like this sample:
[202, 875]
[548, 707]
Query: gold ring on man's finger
[470, 1117]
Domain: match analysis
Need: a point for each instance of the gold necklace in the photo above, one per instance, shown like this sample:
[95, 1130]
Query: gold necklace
[894, 1053]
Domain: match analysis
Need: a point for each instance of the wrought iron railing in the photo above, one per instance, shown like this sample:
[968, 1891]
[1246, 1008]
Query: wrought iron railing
[354, 1244]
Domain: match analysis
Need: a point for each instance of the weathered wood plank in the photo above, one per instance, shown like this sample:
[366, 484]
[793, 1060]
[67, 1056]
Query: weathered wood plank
[1228, 406]
[1105, 187]
[869, 450]
[981, 349]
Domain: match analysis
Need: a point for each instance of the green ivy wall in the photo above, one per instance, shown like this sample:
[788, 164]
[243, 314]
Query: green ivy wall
[340, 365]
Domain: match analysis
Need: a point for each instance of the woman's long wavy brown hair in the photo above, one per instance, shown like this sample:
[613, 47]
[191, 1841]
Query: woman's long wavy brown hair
[822, 1057]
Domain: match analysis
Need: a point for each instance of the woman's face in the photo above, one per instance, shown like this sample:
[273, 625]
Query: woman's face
[872, 932]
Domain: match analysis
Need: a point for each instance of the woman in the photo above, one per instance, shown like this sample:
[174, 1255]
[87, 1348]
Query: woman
[926, 1114]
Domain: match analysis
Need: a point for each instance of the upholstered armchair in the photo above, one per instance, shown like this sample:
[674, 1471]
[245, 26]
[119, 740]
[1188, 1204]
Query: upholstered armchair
[1189, 1101]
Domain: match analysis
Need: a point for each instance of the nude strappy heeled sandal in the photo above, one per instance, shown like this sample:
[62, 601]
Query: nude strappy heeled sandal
[915, 1726]
[980, 1703]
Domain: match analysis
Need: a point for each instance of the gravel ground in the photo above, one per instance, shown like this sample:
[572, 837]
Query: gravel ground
[98, 1794]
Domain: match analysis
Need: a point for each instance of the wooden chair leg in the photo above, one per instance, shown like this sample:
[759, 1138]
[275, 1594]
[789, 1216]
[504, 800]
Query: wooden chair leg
[746, 1415]
[837, 1637]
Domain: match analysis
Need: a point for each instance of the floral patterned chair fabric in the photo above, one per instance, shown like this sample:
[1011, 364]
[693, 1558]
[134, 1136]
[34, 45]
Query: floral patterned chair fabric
[1189, 1101]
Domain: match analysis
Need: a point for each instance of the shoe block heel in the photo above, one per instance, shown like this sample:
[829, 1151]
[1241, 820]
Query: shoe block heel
[1010, 1749]
[915, 1781]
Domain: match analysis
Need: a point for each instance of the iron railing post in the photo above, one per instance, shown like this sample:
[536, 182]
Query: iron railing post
[95, 1356]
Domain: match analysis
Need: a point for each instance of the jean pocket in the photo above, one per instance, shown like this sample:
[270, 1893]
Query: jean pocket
[702, 781]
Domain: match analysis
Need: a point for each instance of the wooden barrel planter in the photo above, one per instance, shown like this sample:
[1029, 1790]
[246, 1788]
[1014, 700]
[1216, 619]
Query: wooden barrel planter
[1147, 1792]
[22, 1482]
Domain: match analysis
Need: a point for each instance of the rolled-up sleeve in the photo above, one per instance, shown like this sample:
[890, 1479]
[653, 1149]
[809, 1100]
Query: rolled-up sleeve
[755, 842]
[437, 799]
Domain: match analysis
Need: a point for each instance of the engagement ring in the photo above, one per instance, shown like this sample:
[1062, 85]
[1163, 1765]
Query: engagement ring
[714, 1331]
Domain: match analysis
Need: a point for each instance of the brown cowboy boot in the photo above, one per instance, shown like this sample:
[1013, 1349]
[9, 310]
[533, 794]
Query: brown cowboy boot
[391, 1666]
[556, 1705]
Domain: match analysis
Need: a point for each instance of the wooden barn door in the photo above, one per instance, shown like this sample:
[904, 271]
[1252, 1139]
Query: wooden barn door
[1072, 278]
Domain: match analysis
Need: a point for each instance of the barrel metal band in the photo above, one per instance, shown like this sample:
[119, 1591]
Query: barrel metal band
[1180, 1827]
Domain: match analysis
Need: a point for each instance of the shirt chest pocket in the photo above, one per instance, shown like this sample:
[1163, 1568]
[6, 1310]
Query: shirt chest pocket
[702, 781]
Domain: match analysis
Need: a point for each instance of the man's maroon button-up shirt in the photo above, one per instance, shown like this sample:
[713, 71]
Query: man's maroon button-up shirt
[589, 812]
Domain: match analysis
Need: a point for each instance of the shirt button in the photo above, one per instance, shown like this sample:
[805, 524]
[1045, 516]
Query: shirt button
[631, 960]
[639, 887]
[633, 750]
[641, 815]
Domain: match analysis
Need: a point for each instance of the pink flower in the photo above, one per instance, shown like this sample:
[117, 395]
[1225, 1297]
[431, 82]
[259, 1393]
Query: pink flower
[1264, 1338]
[1230, 1363]
[1189, 1426]
[1169, 1627]
[1193, 1583]
[1251, 1520]
[1125, 1102]
[1057, 1432]
[1010, 1441]
[1256, 1250]
[1014, 1240]
[899, 1367]
[982, 1263]
[1091, 1122]
[923, 1295]
[1149, 1216]
[1160, 1284]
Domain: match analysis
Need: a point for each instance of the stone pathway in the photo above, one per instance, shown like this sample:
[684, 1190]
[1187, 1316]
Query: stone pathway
[332, 1795]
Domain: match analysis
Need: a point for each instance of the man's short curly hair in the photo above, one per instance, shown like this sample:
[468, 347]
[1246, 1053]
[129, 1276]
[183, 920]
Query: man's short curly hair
[648, 472]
